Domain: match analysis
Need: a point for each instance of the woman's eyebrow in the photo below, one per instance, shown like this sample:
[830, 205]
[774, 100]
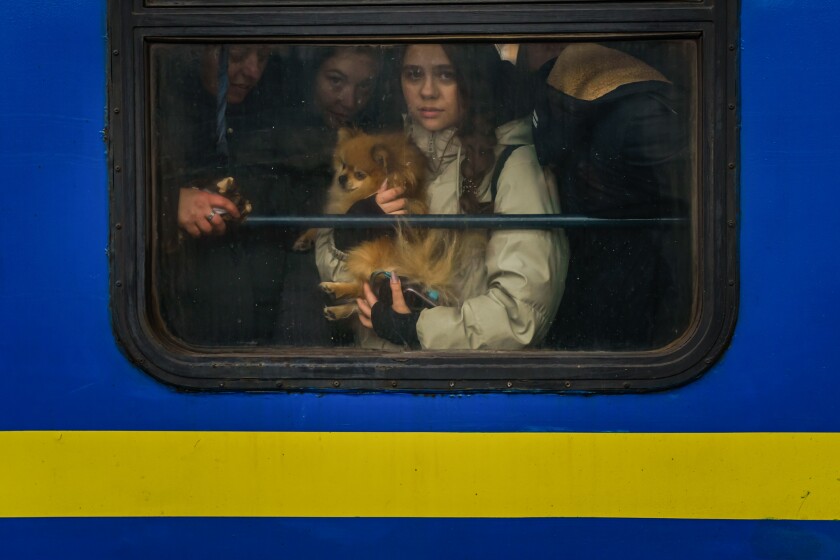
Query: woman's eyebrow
[436, 68]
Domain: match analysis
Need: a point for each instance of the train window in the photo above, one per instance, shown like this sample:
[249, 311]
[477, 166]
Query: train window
[522, 203]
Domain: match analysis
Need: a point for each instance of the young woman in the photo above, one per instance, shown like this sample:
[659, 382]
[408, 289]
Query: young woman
[509, 300]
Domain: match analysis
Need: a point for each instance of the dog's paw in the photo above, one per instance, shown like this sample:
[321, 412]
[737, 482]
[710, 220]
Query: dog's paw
[306, 240]
[338, 312]
[340, 292]
[328, 288]
[303, 244]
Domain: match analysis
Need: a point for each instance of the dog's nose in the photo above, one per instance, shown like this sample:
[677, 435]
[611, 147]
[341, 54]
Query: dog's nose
[342, 180]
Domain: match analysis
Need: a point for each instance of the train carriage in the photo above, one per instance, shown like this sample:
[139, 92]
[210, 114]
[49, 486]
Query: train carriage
[122, 440]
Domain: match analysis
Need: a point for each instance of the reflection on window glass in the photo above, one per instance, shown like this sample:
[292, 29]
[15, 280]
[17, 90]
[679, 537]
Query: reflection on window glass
[269, 130]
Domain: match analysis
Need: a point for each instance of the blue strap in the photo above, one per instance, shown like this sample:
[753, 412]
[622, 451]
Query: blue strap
[221, 105]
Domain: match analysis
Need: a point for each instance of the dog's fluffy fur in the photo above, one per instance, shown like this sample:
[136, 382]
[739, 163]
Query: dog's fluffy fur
[430, 258]
[362, 163]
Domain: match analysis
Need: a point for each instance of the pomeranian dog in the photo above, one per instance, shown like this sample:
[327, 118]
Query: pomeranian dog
[428, 258]
[362, 164]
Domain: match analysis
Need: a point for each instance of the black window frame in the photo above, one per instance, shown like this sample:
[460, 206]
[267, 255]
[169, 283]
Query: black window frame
[135, 25]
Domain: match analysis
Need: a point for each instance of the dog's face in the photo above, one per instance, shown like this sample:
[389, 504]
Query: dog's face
[361, 163]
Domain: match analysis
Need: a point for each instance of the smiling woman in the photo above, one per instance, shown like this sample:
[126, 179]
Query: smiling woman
[344, 84]
[213, 112]
[245, 67]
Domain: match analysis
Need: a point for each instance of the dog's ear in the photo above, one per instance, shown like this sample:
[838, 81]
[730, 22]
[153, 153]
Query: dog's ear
[346, 133]
[382, 156]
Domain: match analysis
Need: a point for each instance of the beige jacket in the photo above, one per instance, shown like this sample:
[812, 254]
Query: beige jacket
[510, 298]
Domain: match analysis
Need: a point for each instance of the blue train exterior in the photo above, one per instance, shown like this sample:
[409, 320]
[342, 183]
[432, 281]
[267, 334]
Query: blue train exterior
[767, 411]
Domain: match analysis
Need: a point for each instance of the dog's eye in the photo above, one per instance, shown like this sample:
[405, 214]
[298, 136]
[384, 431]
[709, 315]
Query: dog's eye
[360, 176]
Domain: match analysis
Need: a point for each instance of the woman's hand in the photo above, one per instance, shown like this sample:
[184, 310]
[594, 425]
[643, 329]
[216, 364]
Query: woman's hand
[370, 299]
[397, 324]
[391, 200]
[196, 214]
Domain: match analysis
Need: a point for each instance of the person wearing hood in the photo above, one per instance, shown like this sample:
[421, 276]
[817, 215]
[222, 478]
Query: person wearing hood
[613, 130]
[510, 298]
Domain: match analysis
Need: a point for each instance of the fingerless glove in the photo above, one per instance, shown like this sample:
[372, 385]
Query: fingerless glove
[399, 328]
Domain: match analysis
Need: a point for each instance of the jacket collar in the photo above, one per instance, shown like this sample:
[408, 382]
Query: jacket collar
[440, 148]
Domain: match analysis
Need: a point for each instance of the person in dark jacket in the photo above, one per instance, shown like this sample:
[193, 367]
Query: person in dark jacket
[614, 132]
[217, 284]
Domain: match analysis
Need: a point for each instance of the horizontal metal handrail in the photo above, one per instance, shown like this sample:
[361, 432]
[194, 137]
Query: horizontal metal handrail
[458, 221]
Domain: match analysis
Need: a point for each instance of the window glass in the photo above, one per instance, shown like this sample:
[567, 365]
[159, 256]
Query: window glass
[271, 132]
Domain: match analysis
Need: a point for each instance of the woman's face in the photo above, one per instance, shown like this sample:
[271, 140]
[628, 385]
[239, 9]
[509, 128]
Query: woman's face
[343, 86]
[429, 87]
[246, 64]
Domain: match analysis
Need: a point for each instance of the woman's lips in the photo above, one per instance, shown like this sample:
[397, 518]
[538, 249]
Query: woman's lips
[341, 117]
[242, 88]
[430, 112]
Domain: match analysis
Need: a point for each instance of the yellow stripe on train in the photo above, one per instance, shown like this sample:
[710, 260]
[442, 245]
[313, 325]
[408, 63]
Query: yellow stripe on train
[301, 474]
